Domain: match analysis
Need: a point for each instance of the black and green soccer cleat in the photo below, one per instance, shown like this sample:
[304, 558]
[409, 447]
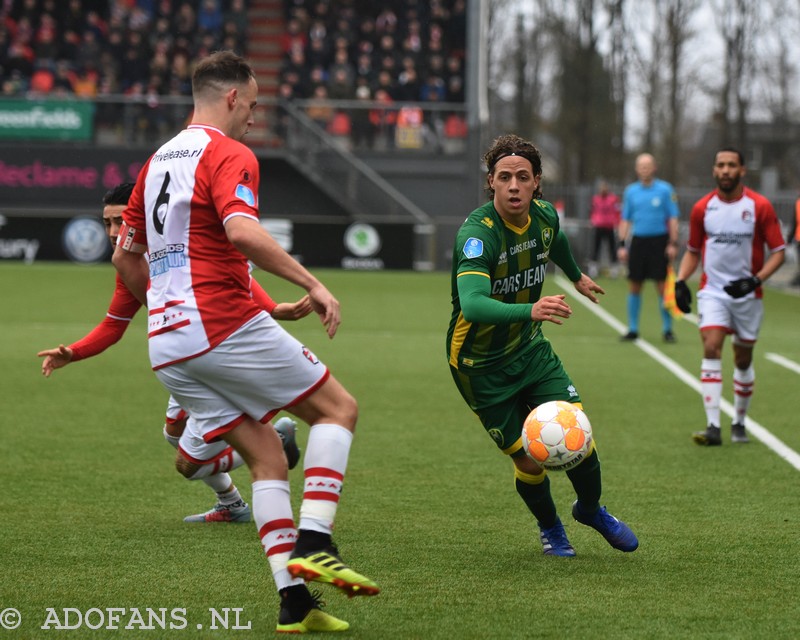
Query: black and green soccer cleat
[315, 620]
[711, 437]
[326, 566]
[301, 612]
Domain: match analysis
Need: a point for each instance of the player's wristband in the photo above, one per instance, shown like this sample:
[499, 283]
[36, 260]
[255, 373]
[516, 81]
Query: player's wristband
[130, 239]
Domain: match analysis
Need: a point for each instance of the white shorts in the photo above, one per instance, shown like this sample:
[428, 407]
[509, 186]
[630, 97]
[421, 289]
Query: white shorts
[257, 371]
[740, 317]
[174, 411]
[191, 444]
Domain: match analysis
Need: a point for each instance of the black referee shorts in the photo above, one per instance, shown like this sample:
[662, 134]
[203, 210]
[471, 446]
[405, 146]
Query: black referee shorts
[647, 259]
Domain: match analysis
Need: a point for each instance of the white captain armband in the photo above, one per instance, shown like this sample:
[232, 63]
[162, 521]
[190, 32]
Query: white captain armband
[131, 239]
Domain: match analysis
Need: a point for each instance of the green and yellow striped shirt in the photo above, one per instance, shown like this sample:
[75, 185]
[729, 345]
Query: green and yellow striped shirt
[498, 272]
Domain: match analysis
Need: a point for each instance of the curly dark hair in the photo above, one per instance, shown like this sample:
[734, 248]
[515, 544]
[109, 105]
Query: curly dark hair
[512, 145]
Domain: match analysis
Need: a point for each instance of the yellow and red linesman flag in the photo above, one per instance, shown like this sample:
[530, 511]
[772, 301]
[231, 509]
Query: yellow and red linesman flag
[669, 294]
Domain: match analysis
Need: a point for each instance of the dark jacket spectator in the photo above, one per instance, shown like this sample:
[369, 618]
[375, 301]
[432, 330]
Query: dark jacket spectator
[209, 16]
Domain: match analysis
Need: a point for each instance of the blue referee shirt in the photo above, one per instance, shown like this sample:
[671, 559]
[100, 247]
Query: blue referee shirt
[648, 207]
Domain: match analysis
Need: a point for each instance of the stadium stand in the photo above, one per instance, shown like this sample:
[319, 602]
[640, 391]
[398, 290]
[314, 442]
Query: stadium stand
[355, 51]
[419, 44]
[389, 52]
[102, 47]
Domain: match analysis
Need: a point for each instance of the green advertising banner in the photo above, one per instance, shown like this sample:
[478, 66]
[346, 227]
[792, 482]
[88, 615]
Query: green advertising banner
[46, 120]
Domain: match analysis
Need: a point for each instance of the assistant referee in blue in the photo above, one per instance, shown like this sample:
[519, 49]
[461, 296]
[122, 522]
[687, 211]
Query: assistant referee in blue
[648, 240]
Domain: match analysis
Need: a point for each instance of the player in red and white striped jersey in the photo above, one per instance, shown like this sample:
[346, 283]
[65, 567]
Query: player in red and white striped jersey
[194, 211]
[196, 460]
[731, 230]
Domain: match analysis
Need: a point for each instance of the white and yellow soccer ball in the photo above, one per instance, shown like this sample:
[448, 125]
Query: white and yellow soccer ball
[557, 435]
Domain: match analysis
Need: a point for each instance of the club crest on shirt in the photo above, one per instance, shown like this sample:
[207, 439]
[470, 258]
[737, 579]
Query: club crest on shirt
[748, 216]
[473, 248]
[547, 236]
[246, 194]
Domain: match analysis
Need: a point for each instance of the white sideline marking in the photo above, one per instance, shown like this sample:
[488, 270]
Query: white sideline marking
[753, 427]
[784, 362]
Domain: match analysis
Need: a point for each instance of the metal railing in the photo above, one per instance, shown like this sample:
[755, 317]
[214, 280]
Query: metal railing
[148, 120]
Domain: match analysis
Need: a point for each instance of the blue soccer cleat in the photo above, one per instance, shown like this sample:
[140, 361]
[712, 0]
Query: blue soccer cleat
[617, 533]
[554, 541]
[285, 427]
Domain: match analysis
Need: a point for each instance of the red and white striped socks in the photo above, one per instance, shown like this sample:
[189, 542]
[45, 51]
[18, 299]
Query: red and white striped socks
[325, 462]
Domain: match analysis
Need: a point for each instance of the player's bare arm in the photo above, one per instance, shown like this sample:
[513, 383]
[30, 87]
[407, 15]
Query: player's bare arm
[551, 309]
[688, 266]
[55, 359]
[672, 246]
[293, 310]
[132, 268]
[771, 265]
[249, 237]
[588, 287]
[622, 234]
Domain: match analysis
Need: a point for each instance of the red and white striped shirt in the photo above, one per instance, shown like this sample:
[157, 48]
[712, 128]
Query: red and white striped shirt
[732, 237]
[199, 290]
[123, 308]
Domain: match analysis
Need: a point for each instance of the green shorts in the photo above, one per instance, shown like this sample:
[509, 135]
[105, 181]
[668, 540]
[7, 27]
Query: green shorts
[503, 398]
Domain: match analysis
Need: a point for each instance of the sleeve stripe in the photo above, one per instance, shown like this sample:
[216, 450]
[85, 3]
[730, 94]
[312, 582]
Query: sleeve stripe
[472, 273]
[246, 214]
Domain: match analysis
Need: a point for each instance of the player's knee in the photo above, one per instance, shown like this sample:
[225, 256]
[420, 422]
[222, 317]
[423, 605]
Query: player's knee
[186, 468]
[349, 407]
[345, 411]
[339, 407]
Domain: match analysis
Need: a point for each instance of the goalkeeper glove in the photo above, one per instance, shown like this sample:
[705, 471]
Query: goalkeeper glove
[683, 296]
[741, 287]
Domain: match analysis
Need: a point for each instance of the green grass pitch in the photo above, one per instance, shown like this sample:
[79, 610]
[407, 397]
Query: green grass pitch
[92, 507]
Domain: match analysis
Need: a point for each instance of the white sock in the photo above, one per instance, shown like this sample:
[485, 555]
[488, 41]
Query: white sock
[711, 386]
[743, 381]
[228, 462]
[220, 483]
[325, 462]
[272, 512]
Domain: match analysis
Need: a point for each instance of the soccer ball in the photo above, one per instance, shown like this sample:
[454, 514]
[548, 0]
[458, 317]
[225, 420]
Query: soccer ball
[557, 435]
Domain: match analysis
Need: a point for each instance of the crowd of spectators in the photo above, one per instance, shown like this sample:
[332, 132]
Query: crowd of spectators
[413, 49]
[385, 52]
[96, 48]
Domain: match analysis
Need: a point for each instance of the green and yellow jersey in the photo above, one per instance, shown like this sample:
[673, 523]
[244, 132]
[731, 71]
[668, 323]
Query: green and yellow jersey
[498, 273]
